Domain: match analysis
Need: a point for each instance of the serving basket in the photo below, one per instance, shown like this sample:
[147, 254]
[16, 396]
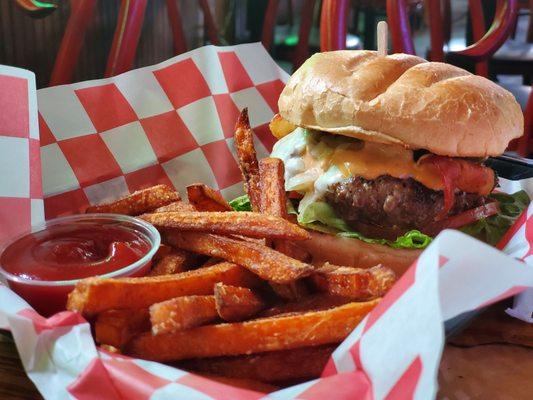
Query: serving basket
[173, 123]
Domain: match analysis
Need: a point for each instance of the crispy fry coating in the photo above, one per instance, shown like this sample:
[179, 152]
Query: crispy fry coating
[274, 366]
[205, 198]
[228, 223]
[139, 202]
[175, 206]
[314, 302]
[94, 295]
[236, 303]
[355, 283]
[116, 327]
[173, 262]
[244, 143]
[280, 127]
[182, 313]
[274, 202]
[272, 183]
[290, 291]
[162, 251]
[267, 334]
[263, 261]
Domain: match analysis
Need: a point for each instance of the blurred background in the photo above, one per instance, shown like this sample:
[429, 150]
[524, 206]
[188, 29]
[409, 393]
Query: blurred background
[66, 41]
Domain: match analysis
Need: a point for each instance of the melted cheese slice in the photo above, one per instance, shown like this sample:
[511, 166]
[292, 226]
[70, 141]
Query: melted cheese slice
[371, 160]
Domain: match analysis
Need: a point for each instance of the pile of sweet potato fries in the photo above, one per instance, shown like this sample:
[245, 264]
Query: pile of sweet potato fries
[230, 294]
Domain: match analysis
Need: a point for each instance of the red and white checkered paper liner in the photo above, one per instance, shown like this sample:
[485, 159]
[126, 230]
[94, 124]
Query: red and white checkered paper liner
[173, 123]
[21, 195]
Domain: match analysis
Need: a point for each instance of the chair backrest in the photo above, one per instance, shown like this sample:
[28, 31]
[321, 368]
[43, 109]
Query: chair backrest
[178, 35]
[486, 42]
[126, 38]
[301, 51]
[123, 48]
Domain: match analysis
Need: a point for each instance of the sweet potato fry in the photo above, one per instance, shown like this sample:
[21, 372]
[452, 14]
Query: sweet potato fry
[274, 202]
[268, 334]
[249, 384]
[116, 327]
[275, 366]
[227, 223]
[315, 302]
[280, 127]
[244, 143]
[139, 202]
[203, 198]
[172, 263]
[236, 303]
[182, 313]
[263, 261]
[175, 206]
[272, 184]
[290, 291]
[94, 295]
[162, 251]
[354, 283]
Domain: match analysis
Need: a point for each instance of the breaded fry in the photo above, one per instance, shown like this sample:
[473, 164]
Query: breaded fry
[116, 327]
[274, 202]
[175, 206]
[280, 127]
[244, 143]
[263, 261]
[314, 302]
[228, 223]
[274, 366]
[182, 313]
[236, 303]
[354, 283]
[273, 198]
[290, 291]
[94, 295]
[162, 251]
[139, 202]
[267, 334]
[205, 198]
[175, 261]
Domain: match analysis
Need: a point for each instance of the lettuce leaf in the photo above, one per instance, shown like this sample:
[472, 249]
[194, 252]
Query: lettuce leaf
[241, 203]
[320, 216]
[491, 230]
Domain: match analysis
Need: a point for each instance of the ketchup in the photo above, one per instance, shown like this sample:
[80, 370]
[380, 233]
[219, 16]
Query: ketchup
[73, 251]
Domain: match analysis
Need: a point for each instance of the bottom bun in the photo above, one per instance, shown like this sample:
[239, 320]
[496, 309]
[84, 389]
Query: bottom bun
[356, 253]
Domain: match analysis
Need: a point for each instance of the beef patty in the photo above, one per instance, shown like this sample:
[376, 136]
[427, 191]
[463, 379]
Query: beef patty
[392, 204]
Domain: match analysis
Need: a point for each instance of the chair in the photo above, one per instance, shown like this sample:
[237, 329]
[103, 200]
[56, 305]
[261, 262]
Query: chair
[301, 51]
[126, 37]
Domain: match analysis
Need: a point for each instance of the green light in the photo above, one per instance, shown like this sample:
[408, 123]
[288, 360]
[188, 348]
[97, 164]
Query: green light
[291, 40]
[42, 4]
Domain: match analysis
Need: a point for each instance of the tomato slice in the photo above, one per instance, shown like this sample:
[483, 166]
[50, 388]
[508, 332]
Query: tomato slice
[465, 218]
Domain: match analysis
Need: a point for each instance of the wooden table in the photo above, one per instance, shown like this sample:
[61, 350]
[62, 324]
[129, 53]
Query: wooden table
[491, 359]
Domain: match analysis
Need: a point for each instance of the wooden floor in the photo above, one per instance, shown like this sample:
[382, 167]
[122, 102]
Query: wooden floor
[491, 359]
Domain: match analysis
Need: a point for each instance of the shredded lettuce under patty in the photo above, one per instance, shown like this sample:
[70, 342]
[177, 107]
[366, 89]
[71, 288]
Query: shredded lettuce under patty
[321, 217]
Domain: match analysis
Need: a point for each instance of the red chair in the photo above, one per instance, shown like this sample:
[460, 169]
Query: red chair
[301, 51]
[126, 38]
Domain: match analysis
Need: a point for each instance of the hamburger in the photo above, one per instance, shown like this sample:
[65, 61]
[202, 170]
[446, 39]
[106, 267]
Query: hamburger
[383, 153]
